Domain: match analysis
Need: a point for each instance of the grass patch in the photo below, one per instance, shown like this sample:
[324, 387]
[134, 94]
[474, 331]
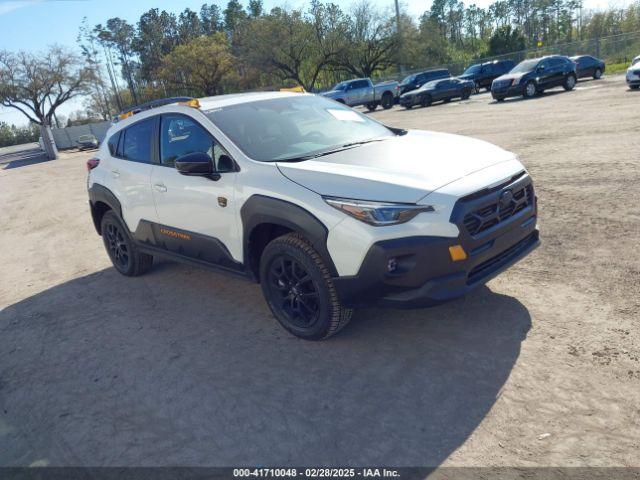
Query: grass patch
[617, 67]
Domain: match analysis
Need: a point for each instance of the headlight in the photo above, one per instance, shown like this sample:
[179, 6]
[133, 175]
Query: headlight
[378, 214]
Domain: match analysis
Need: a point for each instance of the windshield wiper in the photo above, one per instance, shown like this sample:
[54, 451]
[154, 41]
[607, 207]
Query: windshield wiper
[346, 146]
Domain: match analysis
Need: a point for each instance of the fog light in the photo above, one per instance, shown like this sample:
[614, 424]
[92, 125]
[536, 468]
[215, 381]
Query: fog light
[457, 253]
[392, 265]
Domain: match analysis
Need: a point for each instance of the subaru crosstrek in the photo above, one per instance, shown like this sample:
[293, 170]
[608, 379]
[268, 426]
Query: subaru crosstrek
[323, 206]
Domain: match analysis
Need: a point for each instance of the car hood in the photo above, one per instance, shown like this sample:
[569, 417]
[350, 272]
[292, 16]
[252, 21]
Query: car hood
[331, 93]
[510, 76]
[400, 169]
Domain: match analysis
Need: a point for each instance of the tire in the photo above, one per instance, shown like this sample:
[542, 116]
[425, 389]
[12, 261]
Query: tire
[447, 100]
[500, 100]
[476, 88]
[387, 100]
[530, 90]
[372, 106]
[408, 106]
[426, 101]
[123, 252]
[292, 270]
[569, 83]
[465, 95]
[597, 75]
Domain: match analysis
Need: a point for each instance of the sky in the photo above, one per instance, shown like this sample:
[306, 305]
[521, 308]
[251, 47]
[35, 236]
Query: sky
[33, 24]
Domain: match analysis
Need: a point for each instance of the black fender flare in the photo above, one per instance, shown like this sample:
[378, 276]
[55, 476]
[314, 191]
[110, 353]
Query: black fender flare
[100, 194]
[260, 209]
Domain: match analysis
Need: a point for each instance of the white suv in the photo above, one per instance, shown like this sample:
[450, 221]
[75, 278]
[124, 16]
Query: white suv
[327, 208]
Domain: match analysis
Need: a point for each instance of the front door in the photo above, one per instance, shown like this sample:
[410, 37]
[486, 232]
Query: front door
[197, 215]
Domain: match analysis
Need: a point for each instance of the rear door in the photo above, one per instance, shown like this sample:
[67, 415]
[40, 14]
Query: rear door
[130, 172]
[197, 216]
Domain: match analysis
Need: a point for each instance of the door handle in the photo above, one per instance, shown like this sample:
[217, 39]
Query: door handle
[115, 173]
[160, 187]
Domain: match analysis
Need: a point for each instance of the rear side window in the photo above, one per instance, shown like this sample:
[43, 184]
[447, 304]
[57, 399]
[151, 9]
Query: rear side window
[113, 143]
[137, 142]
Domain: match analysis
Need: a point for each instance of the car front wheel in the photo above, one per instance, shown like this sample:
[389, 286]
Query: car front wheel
[597, 75]
[569, 83]
[298, 288]
[530, 89]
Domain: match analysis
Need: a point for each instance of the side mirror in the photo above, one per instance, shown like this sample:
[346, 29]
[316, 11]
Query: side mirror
[541, 68]
[197, 164]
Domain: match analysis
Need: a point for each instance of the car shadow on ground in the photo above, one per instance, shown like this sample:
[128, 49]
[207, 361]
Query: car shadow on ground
[546, 93]
[187, 367]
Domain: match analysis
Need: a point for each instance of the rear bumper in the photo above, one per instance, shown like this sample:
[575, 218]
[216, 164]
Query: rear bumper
[424, 273]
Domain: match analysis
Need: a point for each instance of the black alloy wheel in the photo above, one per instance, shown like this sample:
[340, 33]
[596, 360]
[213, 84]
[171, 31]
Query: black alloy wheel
[117, 246]
[294, 292]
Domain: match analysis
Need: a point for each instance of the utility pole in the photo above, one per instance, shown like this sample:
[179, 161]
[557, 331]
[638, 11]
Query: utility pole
[399, 33]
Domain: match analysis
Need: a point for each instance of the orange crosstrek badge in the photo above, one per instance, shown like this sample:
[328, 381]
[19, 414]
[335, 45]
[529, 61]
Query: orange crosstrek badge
[173, 234]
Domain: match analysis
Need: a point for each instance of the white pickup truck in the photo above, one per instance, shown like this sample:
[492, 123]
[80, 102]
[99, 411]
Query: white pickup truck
[362, 91]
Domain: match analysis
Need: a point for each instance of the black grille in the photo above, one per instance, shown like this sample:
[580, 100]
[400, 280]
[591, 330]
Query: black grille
[495, 213]
[488, 266]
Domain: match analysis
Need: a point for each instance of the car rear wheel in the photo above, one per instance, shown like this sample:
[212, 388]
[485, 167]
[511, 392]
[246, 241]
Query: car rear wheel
[387, 100]
[597, 75]
[122, 251]
[530, 89]
[372, 106]
[426, 101]
[569, 83]
[466, 95]
[299, 291]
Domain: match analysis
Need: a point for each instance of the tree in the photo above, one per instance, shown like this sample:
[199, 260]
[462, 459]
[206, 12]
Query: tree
[506, 40]
[234, 16]
[210, 19]
[37, 84]
[200, 66]
[372, 41]
[156, 36]
[90, 51]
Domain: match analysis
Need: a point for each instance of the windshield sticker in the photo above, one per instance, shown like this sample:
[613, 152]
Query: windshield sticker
[345, 115]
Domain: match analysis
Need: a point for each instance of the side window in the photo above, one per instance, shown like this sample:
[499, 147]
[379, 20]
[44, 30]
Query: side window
[113, 144]
[136, 145]
[180, 135]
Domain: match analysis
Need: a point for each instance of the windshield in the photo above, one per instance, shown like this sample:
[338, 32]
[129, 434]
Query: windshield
[294, 126]
[635, 60]
[408, 80]
[341, 86]
[525, 66]
[472, 69]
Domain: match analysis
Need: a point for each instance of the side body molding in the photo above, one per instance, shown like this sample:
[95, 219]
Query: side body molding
[260, 209]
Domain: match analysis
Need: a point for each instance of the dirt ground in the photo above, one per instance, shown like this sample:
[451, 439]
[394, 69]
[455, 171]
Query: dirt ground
[187, 367]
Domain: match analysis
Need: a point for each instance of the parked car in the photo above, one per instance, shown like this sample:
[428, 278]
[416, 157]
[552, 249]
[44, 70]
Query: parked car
[483, 74]
[326, 208]
[362, 91]
[438, 90]
[416, 80]
[588, 66]
[85, 142]
[633, 74]
[534, 76]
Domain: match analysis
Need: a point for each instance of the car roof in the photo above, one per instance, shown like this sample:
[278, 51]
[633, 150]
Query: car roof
[220, 101]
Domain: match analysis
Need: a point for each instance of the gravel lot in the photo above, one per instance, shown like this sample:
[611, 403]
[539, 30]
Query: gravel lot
[187, 367]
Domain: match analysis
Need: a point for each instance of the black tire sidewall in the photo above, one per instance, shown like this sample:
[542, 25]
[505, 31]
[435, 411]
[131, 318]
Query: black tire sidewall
[111, 218]
[526, 86]
[387, 101]
[271, 253]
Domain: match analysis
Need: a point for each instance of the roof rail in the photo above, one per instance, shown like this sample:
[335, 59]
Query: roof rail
[155, 104]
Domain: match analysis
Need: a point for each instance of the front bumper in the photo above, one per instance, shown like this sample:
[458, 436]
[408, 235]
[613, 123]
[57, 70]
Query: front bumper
[408, 101]
[424, 273]
[633, 80]
[508, 91]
